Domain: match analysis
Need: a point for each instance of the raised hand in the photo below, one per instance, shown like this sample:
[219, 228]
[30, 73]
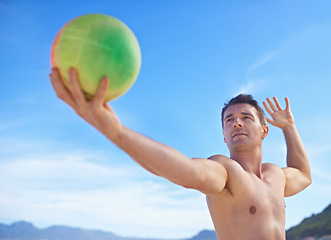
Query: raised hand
[280, 117]
[96, 112]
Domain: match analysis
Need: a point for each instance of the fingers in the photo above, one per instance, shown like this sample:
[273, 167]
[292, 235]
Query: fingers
[76, 90]
[287, 101]
[271, 113]
[267, 108]
[101, 93]
[277, 104]
[60, 88]
[273, 107]
[279, 108]
[270, 121]
[75, 96]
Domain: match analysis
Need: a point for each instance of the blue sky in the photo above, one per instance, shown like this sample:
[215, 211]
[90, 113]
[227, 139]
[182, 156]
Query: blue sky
[56, 169]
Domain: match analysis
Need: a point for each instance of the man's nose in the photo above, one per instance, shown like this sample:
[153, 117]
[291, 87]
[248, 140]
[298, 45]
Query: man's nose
[237, 123]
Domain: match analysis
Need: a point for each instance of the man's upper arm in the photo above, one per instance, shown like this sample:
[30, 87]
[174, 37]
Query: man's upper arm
[213, 174]
[296, 181]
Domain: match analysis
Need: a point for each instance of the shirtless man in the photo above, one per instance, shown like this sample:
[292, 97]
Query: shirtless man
[244, 196]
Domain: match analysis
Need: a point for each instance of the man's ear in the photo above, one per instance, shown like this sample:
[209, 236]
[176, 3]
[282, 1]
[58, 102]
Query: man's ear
[265, 131]
[224, 137]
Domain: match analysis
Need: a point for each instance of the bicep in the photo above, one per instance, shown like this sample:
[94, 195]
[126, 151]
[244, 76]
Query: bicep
[296, 181]
[212, 175]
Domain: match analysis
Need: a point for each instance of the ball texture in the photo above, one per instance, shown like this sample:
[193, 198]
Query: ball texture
[97, 45]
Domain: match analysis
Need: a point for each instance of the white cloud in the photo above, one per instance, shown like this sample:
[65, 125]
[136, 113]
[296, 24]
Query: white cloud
[252, 86]
[66, 170]
[71, 189]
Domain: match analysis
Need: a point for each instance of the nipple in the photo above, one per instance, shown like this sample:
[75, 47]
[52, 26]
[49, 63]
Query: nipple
[252, 210]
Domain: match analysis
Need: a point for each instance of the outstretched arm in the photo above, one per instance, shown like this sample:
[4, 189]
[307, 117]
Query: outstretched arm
[205, 175]
[297, 172]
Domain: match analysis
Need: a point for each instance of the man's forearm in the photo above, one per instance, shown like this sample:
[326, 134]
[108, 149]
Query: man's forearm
[157, 158]
[296, 153]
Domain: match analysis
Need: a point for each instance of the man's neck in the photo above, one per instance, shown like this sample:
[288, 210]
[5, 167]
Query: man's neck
[250, 160]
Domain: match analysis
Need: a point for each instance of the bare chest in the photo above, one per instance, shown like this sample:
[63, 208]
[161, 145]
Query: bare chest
[254, 205]
[259, 200]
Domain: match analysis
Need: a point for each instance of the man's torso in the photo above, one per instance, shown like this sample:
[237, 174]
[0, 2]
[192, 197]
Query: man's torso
[250, 207]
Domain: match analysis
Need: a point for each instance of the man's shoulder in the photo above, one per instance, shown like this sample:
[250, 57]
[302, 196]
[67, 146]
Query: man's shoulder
[219, 157]
[227, 162]
[271, 166]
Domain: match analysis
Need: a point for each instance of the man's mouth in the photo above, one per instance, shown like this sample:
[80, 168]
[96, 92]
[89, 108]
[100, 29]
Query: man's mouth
[238, 134]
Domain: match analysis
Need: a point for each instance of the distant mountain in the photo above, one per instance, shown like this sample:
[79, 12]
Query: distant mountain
[26, 231]
[205, 235]
[316, 227]
[313, 228]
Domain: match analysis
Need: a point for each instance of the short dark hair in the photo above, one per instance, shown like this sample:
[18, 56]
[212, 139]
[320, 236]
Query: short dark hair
[245, 98]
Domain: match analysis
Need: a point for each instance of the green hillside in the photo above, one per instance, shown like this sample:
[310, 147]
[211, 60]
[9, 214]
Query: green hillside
[315, 226]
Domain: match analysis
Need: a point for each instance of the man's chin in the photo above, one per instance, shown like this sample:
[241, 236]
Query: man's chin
[239, 144]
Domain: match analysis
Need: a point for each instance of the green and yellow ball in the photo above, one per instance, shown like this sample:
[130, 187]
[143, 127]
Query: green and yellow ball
[97, 45]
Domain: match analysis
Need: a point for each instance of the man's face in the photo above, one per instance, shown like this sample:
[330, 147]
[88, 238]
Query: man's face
[242, 127]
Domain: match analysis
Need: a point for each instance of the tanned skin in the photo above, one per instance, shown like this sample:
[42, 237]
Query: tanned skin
[244, 196]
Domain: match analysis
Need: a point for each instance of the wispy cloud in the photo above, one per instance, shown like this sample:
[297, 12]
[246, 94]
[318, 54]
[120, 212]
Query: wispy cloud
[261, 61]
[293, 42]
[252, 86]
[247, 88]
[76, 190]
